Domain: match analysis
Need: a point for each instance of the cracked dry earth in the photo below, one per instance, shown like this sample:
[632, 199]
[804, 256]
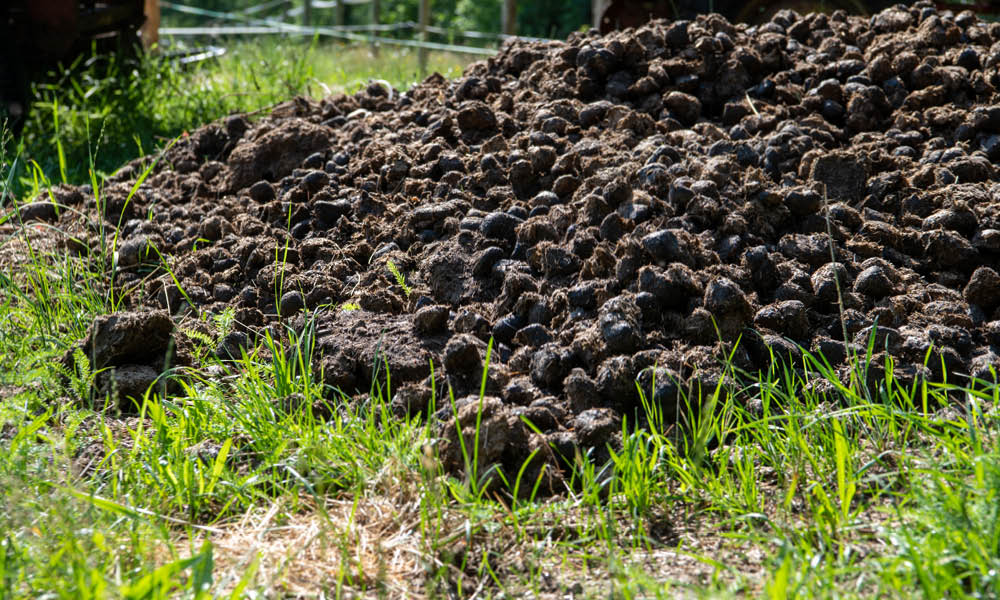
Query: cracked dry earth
[608, 209]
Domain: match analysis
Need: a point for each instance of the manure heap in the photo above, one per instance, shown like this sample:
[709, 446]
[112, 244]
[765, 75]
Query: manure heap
[609, 210]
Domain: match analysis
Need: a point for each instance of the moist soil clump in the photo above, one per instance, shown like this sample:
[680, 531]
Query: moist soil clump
[604, 208]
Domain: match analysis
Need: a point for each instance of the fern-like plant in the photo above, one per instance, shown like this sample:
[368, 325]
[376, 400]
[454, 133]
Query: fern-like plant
[400, 279]
[82, 380]
[224, 322]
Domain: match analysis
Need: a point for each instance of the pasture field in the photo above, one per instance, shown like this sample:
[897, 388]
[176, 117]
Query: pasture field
[250, 478]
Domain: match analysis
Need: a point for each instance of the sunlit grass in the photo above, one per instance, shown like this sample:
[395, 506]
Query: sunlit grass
[112, 110]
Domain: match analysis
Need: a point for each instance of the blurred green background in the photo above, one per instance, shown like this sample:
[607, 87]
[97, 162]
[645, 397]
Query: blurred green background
[535, 18]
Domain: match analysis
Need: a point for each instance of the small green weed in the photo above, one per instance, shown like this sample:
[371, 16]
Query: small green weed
[400, 279]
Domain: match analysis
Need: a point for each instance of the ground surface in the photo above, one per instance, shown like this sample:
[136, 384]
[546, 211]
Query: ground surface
[607, 210]
[769, 247]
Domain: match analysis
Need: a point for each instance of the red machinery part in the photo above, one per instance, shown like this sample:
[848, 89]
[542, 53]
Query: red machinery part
[47, 30]
[37, 35]
[54, 25]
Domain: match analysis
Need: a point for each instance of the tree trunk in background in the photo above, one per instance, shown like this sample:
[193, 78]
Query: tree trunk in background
[150, 30]
[597, 8]
[508, 18]
[376, 11]
[425, 18]
[307, 12]
[341, 13]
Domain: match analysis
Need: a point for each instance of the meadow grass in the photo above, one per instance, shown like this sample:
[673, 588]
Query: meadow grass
[104, 111]
[256, 480]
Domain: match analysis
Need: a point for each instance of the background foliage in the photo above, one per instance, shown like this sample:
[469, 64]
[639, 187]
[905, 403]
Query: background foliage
[537, 18]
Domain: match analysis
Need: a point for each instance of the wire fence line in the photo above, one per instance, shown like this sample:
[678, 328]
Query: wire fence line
[245, 22]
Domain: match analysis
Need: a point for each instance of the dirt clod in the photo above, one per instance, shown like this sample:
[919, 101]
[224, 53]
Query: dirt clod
[984, 288]
[128, 351]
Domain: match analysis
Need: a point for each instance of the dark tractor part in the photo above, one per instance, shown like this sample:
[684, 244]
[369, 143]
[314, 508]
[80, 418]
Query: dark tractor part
[622, 14]
[760, 11]
[37, 35]
[14, 88]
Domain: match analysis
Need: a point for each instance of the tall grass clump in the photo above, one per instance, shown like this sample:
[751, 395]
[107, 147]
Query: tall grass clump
[113, 108]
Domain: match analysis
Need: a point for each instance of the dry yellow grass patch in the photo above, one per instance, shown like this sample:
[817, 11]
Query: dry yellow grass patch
[371, 547]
